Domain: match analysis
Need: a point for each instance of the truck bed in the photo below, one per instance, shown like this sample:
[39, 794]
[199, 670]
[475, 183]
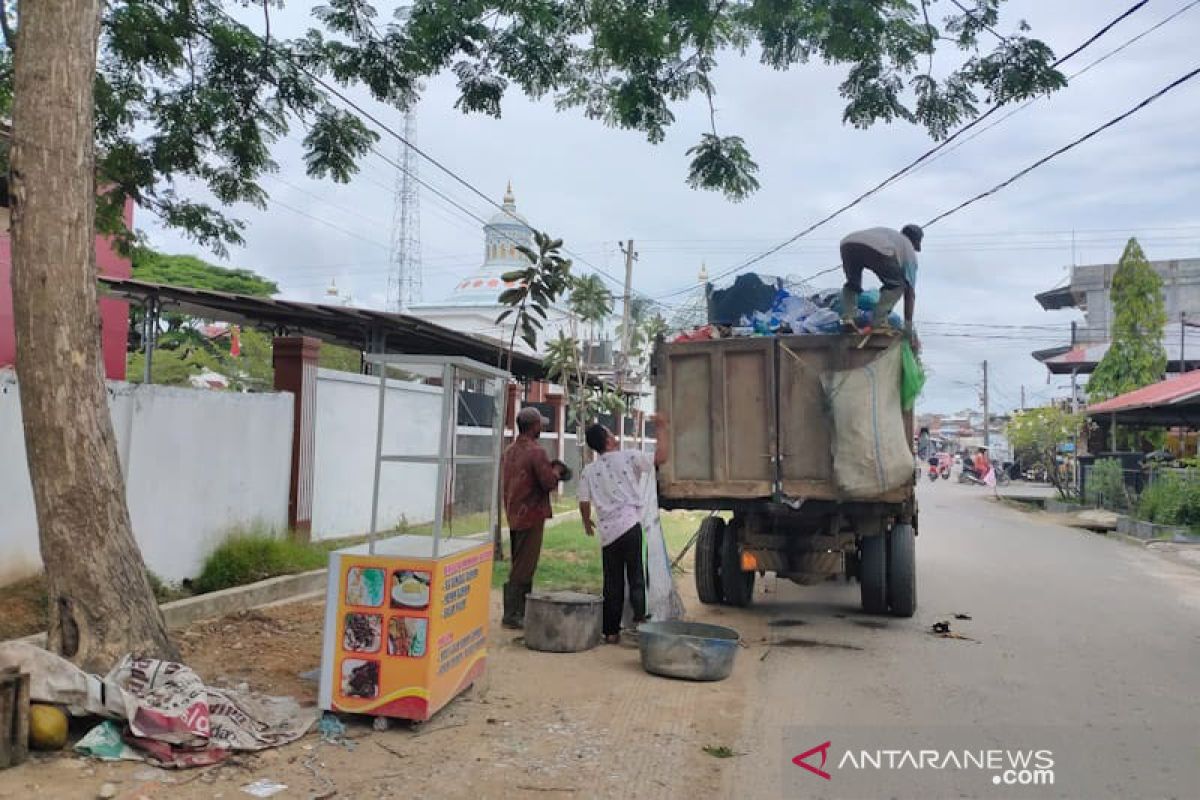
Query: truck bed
[747, 418]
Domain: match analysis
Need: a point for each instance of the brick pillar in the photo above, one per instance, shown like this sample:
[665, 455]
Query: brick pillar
[295, 361]
[559, 404]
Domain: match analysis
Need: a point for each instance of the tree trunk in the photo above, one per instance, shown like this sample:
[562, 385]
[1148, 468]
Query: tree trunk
[100, 602]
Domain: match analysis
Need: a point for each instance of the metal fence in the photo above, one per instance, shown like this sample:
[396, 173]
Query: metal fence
[1097, 484]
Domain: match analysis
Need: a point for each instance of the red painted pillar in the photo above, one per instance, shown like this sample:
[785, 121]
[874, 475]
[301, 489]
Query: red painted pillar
[295, 360]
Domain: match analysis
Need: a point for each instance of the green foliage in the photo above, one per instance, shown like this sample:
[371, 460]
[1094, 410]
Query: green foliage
[181, 349]
[1036, 434]
[1171, 499]
[185, 94]
[571, 559]
[164, 592]
[1106, 485]
[590, 299]
[183, 270]
[644, 330]
[1136, 357]
[171, 367]
[538, 286]
[724, 164]
[565, 366]
[344, 359]
[254, 556]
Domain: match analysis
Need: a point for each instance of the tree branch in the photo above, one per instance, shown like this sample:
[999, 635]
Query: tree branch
[266, 51]
[985, 26]
[10, 36]
[712, 112]
[930, 36]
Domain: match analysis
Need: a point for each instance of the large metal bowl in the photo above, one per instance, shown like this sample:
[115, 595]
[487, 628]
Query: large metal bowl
[690, 650]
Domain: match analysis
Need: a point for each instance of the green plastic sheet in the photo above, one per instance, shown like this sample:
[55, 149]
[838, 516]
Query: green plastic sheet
[912, 377]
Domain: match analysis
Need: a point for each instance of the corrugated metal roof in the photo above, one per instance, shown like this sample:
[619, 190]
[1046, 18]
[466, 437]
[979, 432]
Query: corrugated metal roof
[1175, 391]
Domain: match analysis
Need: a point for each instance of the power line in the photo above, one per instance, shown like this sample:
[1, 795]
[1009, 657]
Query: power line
[1071, 145]
[911, 165]
[1128, 43]
[363, 113]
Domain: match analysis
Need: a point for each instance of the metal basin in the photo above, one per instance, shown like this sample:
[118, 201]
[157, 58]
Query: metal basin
[690, 650]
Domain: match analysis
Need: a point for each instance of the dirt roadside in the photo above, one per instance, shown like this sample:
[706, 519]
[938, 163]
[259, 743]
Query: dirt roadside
[590, 724]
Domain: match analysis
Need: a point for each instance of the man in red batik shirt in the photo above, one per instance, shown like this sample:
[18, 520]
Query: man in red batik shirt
[528, 477]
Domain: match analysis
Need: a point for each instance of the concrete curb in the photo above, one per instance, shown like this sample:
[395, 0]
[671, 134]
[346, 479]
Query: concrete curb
[179, 613]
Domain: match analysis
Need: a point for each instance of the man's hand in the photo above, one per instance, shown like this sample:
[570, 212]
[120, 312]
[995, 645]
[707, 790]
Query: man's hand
[585, 514]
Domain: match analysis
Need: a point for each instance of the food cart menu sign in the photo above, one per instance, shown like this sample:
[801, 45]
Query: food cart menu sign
[411, 633]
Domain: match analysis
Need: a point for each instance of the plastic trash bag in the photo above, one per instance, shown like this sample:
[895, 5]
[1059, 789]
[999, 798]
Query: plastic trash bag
[822, 320]
[912, 377]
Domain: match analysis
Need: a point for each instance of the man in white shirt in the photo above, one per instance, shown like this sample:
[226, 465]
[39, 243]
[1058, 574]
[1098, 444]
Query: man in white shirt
[892, 256]
[612, 485]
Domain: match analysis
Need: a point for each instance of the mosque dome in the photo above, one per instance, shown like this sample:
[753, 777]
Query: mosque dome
[503, 233]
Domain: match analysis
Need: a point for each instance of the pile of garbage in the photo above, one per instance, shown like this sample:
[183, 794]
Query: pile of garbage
[754, 307]
[158, 711]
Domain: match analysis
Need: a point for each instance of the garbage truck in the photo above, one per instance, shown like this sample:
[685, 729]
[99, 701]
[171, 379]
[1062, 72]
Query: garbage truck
[800, 449]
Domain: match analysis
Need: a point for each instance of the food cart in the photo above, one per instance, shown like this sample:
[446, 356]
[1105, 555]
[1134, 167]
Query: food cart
[406, 617]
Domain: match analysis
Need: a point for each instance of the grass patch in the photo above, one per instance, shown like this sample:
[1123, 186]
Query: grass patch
[571, 559]
[719, 751]
[253, 556]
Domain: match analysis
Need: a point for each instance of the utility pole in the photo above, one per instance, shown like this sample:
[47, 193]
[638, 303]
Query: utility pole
[1022, 397]
[1182, 341]
[987, 433]
[626, 315]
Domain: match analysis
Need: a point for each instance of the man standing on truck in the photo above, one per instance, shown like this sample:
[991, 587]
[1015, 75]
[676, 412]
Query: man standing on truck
[613, 485]
[528, 476]
[892, 256]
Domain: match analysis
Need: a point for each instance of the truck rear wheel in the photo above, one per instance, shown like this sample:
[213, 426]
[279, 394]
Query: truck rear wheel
[872, 574]
[902, 570]
[708, 549]
[738, 586]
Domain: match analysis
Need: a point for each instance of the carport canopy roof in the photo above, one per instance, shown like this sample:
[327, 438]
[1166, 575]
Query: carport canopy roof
[360, 328]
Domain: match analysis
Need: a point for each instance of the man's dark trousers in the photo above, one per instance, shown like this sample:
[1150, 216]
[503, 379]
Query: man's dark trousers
[622, 560]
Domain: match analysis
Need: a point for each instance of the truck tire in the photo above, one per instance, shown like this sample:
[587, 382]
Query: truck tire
[902, 570]
[708, 550]
[736, 585]
[872, 574]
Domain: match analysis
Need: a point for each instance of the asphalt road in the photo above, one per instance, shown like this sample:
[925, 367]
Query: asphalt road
[1080, 644]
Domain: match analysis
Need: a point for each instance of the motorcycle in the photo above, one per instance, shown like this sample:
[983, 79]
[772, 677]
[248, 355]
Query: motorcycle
[970, 475]
[944, 465]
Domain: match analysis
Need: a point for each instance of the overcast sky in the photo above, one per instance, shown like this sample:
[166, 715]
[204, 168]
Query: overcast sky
[594, 186]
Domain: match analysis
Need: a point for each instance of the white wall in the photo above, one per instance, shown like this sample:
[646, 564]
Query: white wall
[344, 471]
[197, 464]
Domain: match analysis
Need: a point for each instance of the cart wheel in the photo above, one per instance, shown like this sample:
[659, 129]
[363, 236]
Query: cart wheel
[708, 547]
[736, 585]
[381, 724]
[902, 570]
[872, 574]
